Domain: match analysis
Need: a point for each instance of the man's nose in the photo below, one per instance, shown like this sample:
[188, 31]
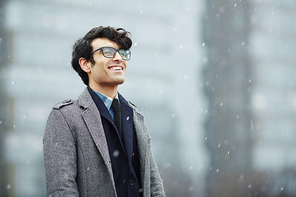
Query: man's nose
[117, 56]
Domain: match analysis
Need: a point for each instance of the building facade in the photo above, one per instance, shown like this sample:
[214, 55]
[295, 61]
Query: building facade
[249, 83]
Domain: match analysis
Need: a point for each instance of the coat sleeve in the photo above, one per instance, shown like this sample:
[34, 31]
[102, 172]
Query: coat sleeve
[60, 157]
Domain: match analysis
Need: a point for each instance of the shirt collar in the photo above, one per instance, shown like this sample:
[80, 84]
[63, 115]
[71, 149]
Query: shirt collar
[106, 99]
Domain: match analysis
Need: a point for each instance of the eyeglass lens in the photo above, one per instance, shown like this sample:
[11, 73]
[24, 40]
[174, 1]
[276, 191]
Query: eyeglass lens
[111, 52]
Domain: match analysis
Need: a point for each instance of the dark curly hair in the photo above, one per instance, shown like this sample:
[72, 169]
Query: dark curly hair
[83, 48]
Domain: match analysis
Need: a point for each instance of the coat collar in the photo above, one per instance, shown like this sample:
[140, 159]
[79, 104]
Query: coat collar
[93, 121]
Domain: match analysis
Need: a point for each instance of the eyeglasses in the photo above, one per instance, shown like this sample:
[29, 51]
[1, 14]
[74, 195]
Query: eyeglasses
[110, 52]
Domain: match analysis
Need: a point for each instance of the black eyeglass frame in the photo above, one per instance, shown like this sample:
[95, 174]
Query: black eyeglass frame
[115, 51]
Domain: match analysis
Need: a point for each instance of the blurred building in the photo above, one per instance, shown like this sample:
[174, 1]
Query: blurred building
[249, 83]
[162, 79]
[4, 108]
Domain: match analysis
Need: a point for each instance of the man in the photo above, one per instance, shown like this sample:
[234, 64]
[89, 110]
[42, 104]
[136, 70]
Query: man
[97, 145]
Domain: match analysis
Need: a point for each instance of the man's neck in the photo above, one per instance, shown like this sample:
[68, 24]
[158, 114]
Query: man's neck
[110, 91]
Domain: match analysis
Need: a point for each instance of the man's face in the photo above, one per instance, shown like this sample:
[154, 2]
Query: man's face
[106, 72]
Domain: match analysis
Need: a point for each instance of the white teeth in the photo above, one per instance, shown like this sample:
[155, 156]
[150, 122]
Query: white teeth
[116, 68]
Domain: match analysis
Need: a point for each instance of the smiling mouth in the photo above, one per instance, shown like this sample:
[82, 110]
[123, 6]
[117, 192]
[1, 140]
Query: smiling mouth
[116, 68]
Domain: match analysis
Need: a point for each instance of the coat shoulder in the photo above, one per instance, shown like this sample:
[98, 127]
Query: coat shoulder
[132, 105]
[135, 108]
[63, 104]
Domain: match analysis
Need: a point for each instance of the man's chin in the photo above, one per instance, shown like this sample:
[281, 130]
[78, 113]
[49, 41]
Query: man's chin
[120, 81]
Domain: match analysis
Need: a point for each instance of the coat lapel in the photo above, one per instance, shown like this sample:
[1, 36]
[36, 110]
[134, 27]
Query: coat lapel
[93, 122]
[143, 138]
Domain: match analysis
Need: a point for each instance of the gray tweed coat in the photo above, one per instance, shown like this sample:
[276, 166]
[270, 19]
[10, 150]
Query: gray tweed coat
[76, 156]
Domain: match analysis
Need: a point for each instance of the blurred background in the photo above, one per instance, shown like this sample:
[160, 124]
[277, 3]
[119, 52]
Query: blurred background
[214, 78]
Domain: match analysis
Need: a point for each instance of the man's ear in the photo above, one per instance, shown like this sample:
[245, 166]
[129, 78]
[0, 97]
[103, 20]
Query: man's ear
[84, 64]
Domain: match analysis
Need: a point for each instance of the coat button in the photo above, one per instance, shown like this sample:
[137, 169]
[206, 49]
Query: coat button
[131, 182]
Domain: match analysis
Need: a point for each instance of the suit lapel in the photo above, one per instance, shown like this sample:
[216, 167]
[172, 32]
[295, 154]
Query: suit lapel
[127, 126]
